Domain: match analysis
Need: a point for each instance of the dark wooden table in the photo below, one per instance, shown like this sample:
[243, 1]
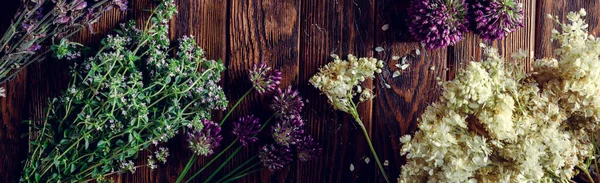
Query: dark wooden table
[296, 36]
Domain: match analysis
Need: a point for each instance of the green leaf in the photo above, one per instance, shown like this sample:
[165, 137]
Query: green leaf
[73, 168]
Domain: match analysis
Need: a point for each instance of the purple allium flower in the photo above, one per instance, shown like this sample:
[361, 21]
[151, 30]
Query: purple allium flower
[308, 149]
[287, 102]
[437, 23]
[245, 129]
[264, 78]
[275, 157]
[495, 19]
[122, 4]
[203, 142]
[288, 131]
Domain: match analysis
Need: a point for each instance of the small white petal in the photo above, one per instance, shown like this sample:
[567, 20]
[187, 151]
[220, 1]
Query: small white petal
[403, 67]
[388, 86]
[386, 163]
[482, 45]
[351, 167]
[398, 65]
[418, 52]
[432, 68]
[367, 160]
[385, 27]
[396, 74]
[379, 49]
[395, 57]
[403, 60]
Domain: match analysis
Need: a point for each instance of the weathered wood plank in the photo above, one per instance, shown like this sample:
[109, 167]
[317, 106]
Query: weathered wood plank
[397, 108]
[335, 27]
[260, 31]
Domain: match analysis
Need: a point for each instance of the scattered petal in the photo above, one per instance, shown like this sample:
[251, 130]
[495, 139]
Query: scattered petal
[418, 52]
[379, 49]
[367, 160]
[351, 167]
[388, 86]
[386, 163]
[385, 27]
[403, 67]
[432, 68]
[395, 57]
[396, 74]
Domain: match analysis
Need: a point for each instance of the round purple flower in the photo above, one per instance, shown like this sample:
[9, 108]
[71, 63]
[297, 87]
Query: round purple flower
[287, 102]
[204, 142]
[275, 157]
[437, 23]
[288, 131]
[495, 19]
[308, 149]
[245, 129]
[264, 78]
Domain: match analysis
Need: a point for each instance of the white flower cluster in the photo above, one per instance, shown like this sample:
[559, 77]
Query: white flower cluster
[340, 80]
[495, 123]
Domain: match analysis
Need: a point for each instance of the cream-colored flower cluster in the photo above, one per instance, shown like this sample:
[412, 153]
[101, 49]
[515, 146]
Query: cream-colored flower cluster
[340, 80]
[494, 123]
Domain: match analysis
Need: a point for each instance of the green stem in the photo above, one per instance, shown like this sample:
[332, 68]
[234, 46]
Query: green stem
[187, 168]
[212, 160]
[587, 173]
[242, 175]
[238, 168]
[221, 166]
[235, 105]
[362, 127]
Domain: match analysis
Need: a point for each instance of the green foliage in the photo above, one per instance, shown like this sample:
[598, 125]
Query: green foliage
[128, 96]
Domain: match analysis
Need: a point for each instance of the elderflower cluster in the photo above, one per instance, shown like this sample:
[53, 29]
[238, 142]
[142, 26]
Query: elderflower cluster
[340, 80]
[494, 123]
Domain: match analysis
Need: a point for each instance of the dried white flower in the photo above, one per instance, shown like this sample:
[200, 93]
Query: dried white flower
[418, 52]
[396, 74]
[386, 163]
[385, 27]
[379, 49]
[367, 160]
[351, 167]
[497, 124]
[2, 92]
[395, 57]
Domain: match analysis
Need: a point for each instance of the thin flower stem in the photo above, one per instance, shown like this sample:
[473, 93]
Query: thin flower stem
[211, 161]
[235, 105]
[112, 173]
[242, 175]
[221, 166]
[187, 168]
[587, 173]
[238, 168]
[362, 127]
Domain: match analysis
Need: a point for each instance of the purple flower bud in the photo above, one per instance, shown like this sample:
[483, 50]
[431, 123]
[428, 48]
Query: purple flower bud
[204, 142]
[264, 78]
[275, 157]
[79, 5]
[437, 23]
[308, 149]
[287, 102]
[496, 19]
[34, 47]
[61, 19]
[245, 129]
[122, 4]
[288, 131]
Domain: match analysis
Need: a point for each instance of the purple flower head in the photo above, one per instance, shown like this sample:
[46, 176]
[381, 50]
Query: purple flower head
[122, 4]
[288, 131]
[275, 157]
[287, 102]
[437, 23]
[308, 149]
[495, 19]
[34, 48]
[79, 5]
[61, 19]
[245, 129]
[204, 142]
[264, 78]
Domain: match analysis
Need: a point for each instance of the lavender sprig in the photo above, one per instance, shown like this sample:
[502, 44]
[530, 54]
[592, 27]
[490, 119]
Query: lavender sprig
[37, 21]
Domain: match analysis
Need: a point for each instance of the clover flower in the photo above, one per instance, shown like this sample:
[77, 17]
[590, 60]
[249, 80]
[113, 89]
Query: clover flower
[264, 78]
[437, 23]
[275, 157]
[340, 80]
[495, 123]
[204, 142]
[287, 102]
[494, 19]
[245, 128]
[288, 131]
[307, 149]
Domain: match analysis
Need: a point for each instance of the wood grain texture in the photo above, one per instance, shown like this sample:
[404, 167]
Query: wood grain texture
[297, 37]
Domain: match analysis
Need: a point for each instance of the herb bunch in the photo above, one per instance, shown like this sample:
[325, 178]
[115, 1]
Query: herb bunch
[39, 20]
[130, 95]
[496, 123]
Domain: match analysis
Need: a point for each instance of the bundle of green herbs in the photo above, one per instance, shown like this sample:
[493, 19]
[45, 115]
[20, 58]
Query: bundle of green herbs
[132, 94]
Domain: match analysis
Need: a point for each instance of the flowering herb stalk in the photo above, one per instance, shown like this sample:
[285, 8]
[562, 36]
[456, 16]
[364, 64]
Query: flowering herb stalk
[340, 82]
[128, 96]
[38, 20]
[495, 123]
